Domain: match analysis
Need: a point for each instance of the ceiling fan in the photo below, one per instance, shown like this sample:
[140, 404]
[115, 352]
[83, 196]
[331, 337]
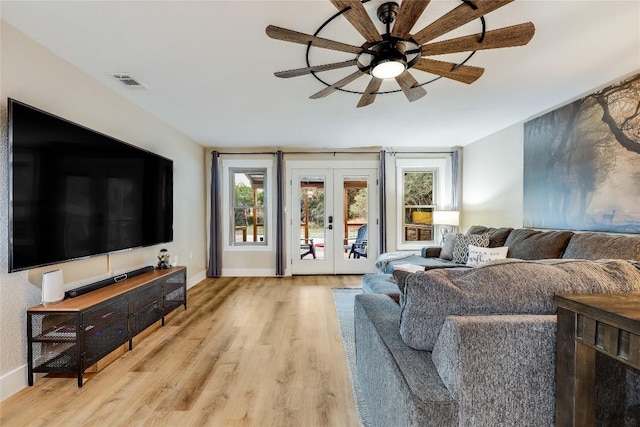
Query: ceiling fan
[392, 54]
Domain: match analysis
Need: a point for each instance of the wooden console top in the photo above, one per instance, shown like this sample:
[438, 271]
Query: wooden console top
[92, 298]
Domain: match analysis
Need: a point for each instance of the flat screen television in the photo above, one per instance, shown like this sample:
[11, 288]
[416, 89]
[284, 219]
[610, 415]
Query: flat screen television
[76, 193]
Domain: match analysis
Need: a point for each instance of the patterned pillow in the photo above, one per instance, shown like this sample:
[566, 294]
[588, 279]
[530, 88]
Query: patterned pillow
[479, 256]
[461, 246]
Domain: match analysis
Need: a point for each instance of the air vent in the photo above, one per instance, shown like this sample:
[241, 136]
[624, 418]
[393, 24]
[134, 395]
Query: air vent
[128, 80]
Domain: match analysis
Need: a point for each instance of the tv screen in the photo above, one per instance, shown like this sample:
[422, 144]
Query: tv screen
[75, 193]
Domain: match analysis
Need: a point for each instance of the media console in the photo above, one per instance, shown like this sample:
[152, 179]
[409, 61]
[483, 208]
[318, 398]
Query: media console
[72, 335]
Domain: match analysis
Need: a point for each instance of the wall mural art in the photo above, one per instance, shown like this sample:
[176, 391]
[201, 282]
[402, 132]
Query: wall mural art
[582, 163]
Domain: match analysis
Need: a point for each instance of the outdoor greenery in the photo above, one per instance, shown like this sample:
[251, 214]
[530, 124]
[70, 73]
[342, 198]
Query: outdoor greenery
[418, 189]
[243, 205]
[356, 199]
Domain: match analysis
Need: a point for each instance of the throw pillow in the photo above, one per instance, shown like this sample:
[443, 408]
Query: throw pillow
[461, 246]
[478, 256]
[447, 247]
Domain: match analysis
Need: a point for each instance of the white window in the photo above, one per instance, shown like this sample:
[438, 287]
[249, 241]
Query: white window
[248, 216]
[418, 204]
[248, 213]
[423, 186]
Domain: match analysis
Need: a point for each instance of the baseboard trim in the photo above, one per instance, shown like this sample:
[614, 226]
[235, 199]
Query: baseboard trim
[13, 381]
[196, 278]
[248, 272]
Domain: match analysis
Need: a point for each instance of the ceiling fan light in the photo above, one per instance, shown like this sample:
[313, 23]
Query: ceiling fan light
[388, 69]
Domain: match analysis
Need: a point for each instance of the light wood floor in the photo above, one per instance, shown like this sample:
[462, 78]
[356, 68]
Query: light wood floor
[246, 352]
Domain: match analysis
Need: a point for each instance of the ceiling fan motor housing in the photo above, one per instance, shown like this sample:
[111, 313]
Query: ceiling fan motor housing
[388, 12]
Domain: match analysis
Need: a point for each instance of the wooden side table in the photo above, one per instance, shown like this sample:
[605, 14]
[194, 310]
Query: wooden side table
[605, 323]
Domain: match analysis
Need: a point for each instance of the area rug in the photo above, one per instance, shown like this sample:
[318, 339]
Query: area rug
[344, 298]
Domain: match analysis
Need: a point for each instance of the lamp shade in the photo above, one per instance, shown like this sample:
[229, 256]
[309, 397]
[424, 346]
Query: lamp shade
[446, 218]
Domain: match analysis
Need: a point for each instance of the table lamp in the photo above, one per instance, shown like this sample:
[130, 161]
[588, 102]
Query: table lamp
[446, 220]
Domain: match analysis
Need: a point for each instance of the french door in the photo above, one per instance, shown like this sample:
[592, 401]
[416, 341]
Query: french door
[334, 219]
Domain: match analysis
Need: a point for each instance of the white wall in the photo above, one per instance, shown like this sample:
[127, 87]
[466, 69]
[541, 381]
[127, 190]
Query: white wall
[492, 179]
[32, 74]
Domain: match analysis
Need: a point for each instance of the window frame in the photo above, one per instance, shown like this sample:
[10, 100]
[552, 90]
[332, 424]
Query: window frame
[432, 206]
[441, 169]
[230, 168]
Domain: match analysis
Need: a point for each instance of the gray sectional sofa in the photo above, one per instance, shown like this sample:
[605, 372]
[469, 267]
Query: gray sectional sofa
[476, 346]
[523, 243]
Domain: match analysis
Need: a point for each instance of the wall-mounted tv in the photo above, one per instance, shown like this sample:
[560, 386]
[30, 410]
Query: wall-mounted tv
[76, 193]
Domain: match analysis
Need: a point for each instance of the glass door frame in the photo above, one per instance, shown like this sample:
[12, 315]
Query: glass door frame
[335, 173]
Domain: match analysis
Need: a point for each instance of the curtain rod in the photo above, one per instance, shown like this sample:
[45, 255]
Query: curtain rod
[302, 152]
[393, 153]
[333, 152]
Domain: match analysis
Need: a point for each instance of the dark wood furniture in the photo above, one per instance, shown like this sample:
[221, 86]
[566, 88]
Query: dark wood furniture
[609, 324]
[72, 335]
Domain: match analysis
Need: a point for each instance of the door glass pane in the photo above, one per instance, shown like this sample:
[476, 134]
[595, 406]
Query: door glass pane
[312, 218]
[356, 217]
[418, 206]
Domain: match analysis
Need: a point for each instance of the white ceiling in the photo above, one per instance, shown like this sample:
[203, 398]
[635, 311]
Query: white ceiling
[209, 66]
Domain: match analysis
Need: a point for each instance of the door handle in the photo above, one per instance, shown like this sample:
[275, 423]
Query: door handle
[330, 227]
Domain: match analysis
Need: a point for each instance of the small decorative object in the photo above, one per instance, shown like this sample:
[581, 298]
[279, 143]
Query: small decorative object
[163, 259]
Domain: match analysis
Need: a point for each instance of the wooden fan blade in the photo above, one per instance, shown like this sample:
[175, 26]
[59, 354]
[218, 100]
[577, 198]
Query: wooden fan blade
[301, 38]
[410, 87]
[410, 12]
[330, 89]
[463, 73]
[516, 35]
[369, 94]
[457, 18]
[359, 18]
[316, 69]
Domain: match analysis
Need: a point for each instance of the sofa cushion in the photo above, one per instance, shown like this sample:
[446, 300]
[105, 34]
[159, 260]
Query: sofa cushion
[530, 244]
[479, 256]
[503, 287]
[603, 246]
[379, 284]
[461, 245]
[497, 236]
[400, 277]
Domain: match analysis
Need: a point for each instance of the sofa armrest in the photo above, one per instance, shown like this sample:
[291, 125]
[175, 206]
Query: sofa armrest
[431, 252]
[500, 368]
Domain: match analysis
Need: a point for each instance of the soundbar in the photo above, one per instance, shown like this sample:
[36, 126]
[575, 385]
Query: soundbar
[106, 282]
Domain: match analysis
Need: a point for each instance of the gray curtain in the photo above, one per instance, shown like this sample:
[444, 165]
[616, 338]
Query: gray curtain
[382, 227]
[280, 231]
[455, 182]
[214, 268]
[455, 179]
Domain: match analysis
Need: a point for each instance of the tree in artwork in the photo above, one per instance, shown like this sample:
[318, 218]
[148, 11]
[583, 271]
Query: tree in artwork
[582, 163]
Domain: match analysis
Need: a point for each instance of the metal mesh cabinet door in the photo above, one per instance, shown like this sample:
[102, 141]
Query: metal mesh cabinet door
[147, 307]
[106, 327]
[174, 292]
